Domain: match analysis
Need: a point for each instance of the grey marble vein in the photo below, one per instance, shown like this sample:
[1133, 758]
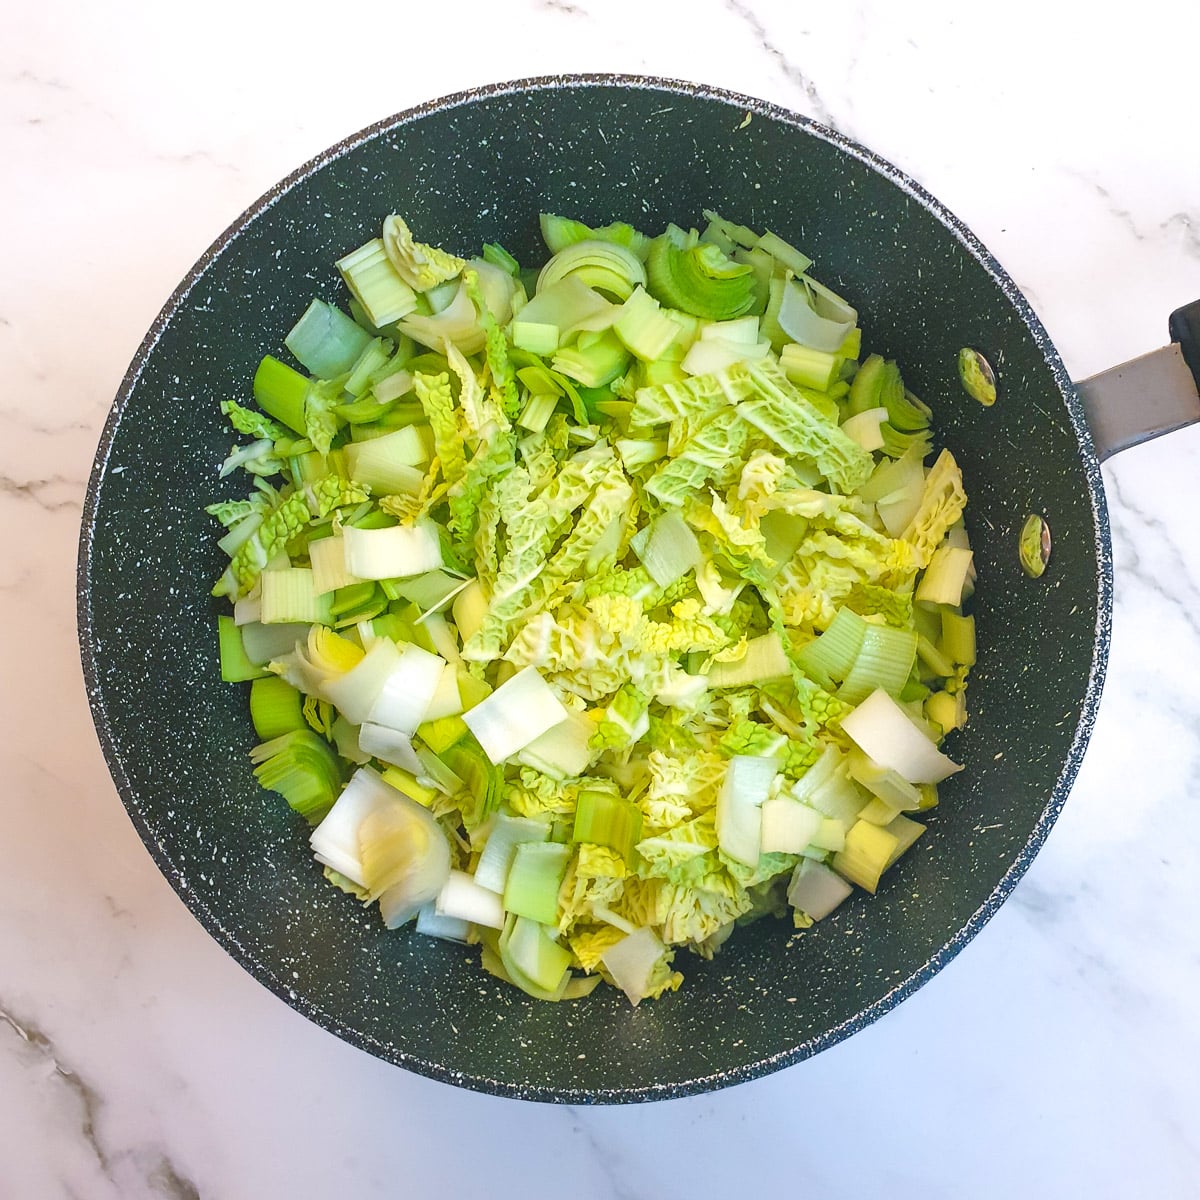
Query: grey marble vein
[602, 1155]
[1189, 233]
[36, 489]
[167, 1180]
[1041, 903]
[88, 1097]
[1182, 221]
[1183, 597]
[39, 422]
[203, 159]
[790, 70]
[161, 1175]
[38, 80]
[20, 582]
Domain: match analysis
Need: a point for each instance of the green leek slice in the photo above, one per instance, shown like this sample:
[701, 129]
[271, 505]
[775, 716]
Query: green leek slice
[302, 768]
[236, 665]
[282, 392]
[560, 232]
[534, 877]
[326, 341]
[608, 268]
[376, 284]
[700, 280]
[605, 819]
[275, 707]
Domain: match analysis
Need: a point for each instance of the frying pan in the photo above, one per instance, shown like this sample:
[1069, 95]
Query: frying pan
[478, 167]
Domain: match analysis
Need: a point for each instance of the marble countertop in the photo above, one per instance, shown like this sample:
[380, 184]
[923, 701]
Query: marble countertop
[1056, 1057]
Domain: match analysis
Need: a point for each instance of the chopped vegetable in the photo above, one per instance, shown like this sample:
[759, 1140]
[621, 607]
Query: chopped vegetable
[588, 611]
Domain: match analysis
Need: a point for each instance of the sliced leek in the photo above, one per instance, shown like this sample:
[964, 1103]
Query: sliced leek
[592, 608]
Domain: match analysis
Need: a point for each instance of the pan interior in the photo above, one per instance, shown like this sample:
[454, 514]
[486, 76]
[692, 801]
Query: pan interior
[479, 168]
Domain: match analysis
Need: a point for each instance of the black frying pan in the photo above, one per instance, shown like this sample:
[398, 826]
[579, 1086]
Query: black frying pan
[478, 167]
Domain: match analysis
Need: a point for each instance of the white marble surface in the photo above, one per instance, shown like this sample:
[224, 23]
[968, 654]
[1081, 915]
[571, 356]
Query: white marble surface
[1056, 1057]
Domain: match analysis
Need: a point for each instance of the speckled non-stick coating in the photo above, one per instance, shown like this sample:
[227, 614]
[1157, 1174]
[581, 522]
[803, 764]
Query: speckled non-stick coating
[478, 167]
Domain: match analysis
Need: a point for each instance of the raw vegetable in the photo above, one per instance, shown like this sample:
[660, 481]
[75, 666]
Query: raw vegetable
[587, 622]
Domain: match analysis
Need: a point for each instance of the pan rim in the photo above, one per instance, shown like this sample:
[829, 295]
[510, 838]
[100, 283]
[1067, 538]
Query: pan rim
[697, 1084]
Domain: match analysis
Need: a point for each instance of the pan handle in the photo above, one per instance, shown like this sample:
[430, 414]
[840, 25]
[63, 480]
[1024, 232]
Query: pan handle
[1149, 396]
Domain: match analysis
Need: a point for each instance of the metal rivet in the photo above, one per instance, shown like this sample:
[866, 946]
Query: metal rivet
[1034, 546]
[977, 377]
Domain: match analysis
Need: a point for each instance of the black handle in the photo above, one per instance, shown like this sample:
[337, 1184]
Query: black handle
[1184, 327]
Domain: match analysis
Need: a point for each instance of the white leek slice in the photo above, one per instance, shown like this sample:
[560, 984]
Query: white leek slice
[787, 825]
[668, 548]
[534, 959]
[241, 533]
[328, 558]
[816, 890]
[890, 475]
[884, 732]
[345, 738]
[392, 387]
[956, 535]
[459, 321]
[335, 839]
[838, 797]
[564, 751]
[864, 428]
[819, 773]
[897, 509]
[249, 607]
[605, 914]
[507, 833]
[447, 699]
[381, 840]
[462, 896]
[408, 689]
[747, 781]
[564, 304]
[390, 464]
[945, 579]
[814, 316]
[405, 858]
[449, 929]
[741, 331]
[441, 635]
[389, 746]
[632, 960]
[831, 836]
[355, 692]
[518, 711]
[604, 265]
[597, 323]
[266, 643]
[644, 329]
[393, 553]
[709, 355]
